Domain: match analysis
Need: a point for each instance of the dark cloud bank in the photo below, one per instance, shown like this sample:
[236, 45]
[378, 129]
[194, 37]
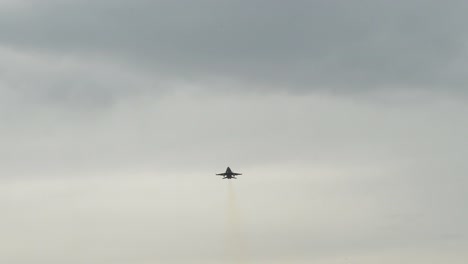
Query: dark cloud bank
[344, 46]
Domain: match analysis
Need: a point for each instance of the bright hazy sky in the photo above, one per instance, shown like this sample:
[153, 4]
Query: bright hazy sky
[348, 120]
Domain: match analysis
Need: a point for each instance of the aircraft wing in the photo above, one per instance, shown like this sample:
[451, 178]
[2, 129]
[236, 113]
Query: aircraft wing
[222, 174]
[236, 173]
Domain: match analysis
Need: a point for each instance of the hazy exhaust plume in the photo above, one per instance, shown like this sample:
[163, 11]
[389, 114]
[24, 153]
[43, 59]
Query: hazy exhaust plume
[236, 241]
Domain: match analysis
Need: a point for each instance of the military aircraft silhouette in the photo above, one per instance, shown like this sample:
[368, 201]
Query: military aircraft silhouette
[229, 174]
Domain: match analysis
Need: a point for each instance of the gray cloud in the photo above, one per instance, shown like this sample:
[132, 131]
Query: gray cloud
[343, 116]
[298, 45]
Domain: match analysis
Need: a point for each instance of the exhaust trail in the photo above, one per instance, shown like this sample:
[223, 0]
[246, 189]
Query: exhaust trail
[236, 242]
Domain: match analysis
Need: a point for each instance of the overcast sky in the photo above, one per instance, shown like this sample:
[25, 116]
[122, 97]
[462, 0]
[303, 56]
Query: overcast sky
[348, 120]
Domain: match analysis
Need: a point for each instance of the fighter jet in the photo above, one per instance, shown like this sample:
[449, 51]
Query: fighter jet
[229, 174]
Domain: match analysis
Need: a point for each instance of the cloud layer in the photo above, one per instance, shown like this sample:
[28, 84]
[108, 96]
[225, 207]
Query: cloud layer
[347, 118]
[296, 46]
